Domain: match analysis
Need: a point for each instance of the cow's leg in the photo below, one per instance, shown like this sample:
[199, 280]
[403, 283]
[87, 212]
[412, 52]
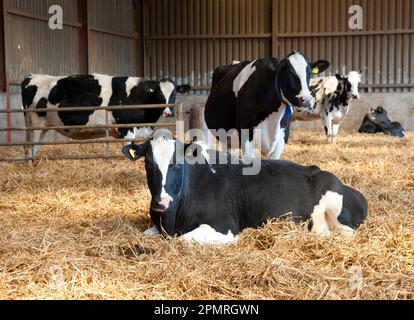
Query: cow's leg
[247, 143]
[205, 234]
[325, 215]
[29, 135]
[38, 136]
[153, 231]
[276, 132]
[335, 130]
[328, 126]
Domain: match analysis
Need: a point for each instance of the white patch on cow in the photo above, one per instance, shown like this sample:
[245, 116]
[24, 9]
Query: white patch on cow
[205, 234]
[167, 89]
[106, 87]
[235, 62]
[354, 78]
[44, 84]
[142, 133]
[130, 84]
[163, 150]
[300, 65]
[139, 134]
[330, 85]
[242, 77]
[272, 141]
[325, 215]
[153, 231]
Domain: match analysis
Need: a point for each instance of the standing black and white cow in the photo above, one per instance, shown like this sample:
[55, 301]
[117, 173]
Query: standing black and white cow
[334, 96]
[43, 91]
[254, 94]
[210, 203]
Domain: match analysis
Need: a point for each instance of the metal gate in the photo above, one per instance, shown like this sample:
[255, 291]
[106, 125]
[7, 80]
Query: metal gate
[104, 141]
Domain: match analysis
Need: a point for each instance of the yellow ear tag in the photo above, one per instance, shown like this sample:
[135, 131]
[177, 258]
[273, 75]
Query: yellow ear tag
[315, 70]
[151, 90]
[133, 153]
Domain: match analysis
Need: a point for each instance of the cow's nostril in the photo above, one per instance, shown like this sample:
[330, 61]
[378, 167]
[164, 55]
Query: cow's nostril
[302, 99]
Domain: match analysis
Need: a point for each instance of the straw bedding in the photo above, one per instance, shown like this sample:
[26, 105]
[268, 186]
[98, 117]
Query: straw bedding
[74, 230]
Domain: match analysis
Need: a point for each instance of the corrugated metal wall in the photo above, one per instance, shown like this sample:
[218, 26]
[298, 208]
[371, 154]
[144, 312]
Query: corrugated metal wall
[383, 50]
[32, 47]
[186, 39]
[112, 43]
[115, 40]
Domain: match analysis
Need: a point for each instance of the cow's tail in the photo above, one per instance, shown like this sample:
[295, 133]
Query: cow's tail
[325, 215]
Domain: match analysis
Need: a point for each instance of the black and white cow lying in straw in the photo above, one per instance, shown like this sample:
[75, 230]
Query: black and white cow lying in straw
[378, 122]
[333, 101]
[254, 94]
[209, 203]
[43, 91]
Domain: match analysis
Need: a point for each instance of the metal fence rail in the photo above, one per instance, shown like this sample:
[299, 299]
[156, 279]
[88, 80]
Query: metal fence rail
[106, 141]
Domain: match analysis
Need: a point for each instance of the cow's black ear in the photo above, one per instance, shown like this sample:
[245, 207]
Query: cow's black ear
[184, 88]
[133, 151]
[338, 76]
[320, 66]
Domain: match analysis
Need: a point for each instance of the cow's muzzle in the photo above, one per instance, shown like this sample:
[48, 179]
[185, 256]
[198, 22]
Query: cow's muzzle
[162, 206]
[306, 102]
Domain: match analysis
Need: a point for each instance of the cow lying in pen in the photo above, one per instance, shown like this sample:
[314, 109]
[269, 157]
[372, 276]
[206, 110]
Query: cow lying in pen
[214, 203]
[377, 121]
[41, 92]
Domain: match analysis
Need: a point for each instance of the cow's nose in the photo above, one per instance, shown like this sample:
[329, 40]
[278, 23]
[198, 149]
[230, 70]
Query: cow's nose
[306, 102]
[165, 203]
[355, 96]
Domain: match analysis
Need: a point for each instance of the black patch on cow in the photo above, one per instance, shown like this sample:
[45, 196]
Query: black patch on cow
[28, 93]
[146, 92]
[42, 104]
[76, 91]
[326, 130]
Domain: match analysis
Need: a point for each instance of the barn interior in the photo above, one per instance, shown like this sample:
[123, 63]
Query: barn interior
[186, 40]
[74, 229]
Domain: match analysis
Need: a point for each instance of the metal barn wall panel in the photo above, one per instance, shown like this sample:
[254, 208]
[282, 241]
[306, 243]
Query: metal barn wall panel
[32, 47]
[98, 36]
[114, 35]
[186, 39]
[383, 50]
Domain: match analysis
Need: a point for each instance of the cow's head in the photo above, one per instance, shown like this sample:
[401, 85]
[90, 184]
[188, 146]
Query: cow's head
[354, 79]
[380, 114]
[296, 72]
[165, 92]
[169, 92]
[164, 175]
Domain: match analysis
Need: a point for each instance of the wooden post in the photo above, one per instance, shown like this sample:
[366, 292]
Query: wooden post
[197, 117]
[2, 49]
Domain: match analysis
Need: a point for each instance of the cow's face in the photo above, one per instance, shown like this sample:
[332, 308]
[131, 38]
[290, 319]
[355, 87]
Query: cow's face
[380, 114]
[296, 74]
[354, 79]
[169, 91]
[163, 176]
